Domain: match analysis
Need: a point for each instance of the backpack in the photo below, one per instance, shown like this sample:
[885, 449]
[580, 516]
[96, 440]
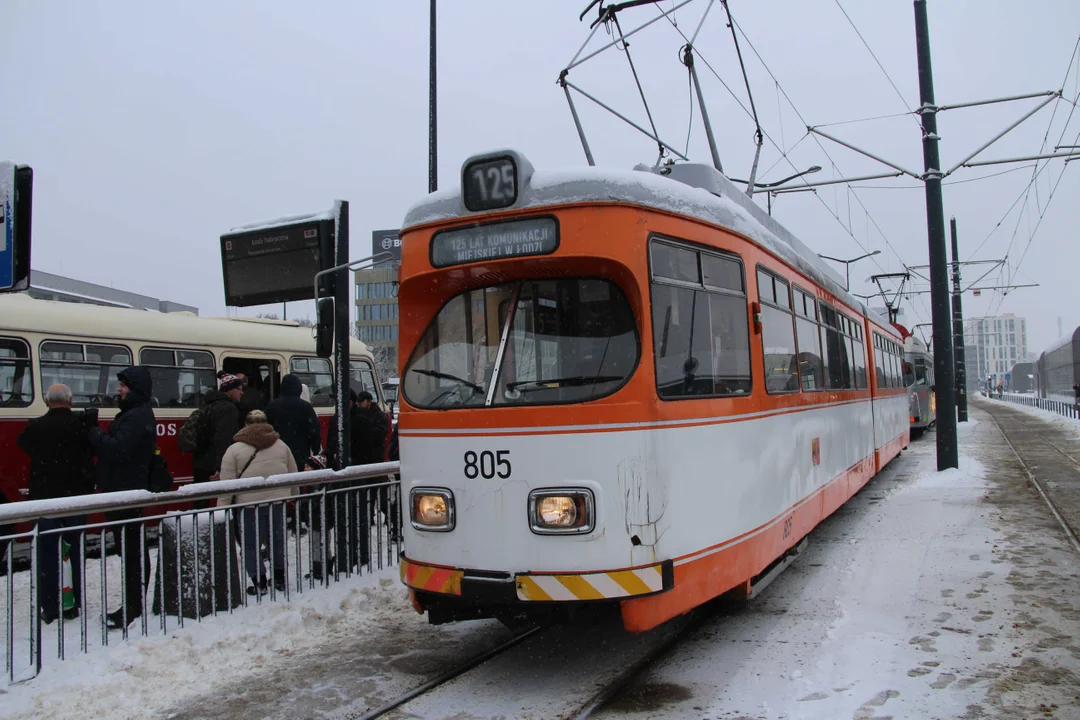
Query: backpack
[194, 434]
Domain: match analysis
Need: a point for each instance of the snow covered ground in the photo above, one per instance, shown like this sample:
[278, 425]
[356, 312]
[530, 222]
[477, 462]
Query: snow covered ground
[930, 595]
[146, 675]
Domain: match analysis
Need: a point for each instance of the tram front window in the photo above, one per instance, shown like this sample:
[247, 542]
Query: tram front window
[568, 340]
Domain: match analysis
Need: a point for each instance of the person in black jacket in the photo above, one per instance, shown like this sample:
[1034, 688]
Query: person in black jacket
[225, 421]
[294, 419]
[61, 465]
[124, 456]
[371, 427]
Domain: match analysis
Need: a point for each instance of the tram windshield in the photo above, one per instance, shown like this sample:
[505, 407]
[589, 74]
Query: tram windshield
[566, 340]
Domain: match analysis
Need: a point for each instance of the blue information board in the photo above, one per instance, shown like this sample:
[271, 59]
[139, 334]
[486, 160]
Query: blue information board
[16, 201]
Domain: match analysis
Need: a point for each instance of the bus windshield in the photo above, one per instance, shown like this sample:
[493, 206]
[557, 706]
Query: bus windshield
[528, 342]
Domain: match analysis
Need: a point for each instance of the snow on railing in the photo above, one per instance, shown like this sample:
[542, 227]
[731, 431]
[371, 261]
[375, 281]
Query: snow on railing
[1067, 409]
[210, 556]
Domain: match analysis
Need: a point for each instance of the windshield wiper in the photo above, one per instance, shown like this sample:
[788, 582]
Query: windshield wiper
[572, 381]
[445, 376]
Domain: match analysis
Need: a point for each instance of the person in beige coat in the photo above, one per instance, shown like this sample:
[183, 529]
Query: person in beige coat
[259, 452]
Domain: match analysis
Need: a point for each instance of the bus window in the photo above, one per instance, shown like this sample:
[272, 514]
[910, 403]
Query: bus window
[317, 375]
[263, 376]
[362, 377]
[178, 377]
[16, 382]
[89, 370]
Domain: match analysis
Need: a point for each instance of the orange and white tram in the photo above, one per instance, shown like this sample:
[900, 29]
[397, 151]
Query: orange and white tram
[625, 387]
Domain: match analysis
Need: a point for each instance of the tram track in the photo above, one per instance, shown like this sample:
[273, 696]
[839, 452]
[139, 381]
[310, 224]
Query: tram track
[445, 677]
[1040, 487]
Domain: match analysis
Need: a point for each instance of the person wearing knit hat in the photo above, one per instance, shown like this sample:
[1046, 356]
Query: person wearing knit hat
[225, 421]
[228, 381]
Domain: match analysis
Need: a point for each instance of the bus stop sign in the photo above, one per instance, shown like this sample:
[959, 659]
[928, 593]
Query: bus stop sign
[276, 262]
[16, 194]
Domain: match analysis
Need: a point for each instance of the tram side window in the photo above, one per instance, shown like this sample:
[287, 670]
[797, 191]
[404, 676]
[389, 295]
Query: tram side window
[88, 369]
[858, 353]
[879, 362]
[701, 335]
[832, 342]
[317, 375]
[16, 380]
[178, 377]
[777, 335]
[811, 369]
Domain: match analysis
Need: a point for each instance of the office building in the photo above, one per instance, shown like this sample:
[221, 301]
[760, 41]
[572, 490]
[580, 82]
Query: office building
[377, 305]
[995, 345]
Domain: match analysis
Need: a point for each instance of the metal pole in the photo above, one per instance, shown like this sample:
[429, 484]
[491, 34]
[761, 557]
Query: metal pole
[947, 451]
[433, 150]
[341, 335]
[958, 332]
[688, 60]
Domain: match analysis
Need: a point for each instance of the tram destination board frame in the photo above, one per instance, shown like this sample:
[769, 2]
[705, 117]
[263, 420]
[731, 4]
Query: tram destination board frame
[276, 263]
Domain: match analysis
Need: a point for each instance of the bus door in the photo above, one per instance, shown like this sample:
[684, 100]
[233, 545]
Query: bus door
[263, 376]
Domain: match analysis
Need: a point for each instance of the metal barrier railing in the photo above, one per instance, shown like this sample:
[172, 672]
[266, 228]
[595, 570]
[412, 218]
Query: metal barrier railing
[320, 526]
[1067, 409]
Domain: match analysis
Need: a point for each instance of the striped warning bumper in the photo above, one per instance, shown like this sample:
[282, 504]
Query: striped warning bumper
[432, 579]
[593, 586]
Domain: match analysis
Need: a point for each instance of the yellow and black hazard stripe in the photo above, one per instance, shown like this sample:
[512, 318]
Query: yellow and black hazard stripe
[610, 585]
[432, 579]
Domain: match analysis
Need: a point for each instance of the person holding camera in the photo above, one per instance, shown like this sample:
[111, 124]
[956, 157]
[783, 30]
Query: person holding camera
[125, 454]
[61, 465]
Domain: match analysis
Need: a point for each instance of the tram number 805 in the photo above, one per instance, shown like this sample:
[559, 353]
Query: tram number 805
[487, 464]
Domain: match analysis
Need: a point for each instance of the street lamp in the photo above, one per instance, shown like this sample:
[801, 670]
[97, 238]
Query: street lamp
[810, 170]
[847, 265]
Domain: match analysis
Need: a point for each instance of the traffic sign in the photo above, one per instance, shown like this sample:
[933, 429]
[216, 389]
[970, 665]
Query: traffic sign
[1008, 376]
[16, 193]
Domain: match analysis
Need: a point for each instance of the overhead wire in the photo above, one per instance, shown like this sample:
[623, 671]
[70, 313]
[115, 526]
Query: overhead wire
[783, 154]
[882, 67]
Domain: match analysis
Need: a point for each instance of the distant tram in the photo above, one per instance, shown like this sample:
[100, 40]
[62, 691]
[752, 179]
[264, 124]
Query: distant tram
[625, 388]
[84, 346]
[919, 377]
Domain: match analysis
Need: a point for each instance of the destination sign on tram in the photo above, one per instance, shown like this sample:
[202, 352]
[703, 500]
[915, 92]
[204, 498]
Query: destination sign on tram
[495, 241]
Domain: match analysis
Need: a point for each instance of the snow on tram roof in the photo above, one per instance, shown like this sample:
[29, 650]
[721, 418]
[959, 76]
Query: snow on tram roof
[19, 313]
[687, 189]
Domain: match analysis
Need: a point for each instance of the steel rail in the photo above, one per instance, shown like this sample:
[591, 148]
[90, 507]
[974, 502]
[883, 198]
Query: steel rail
[447, 676]
[1073, 541]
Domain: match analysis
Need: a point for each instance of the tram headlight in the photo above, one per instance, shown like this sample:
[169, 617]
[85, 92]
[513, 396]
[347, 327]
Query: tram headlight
[432, 509]
[557, 511]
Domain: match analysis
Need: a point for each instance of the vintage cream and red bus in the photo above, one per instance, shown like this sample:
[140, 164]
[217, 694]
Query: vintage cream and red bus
[84, 346]
[632, 388]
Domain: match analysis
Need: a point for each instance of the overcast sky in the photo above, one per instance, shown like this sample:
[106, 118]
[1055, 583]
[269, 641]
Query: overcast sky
[154, 128]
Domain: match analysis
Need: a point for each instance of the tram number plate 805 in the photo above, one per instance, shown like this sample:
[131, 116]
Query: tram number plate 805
[487, 464]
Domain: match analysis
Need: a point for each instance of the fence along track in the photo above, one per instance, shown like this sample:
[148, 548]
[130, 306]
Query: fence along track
[346, 511]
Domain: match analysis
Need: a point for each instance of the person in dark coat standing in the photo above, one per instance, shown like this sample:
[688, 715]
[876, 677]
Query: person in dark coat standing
[294, 419]
[61, 465]
[124, 454]
[225, 421]
[371, 427]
